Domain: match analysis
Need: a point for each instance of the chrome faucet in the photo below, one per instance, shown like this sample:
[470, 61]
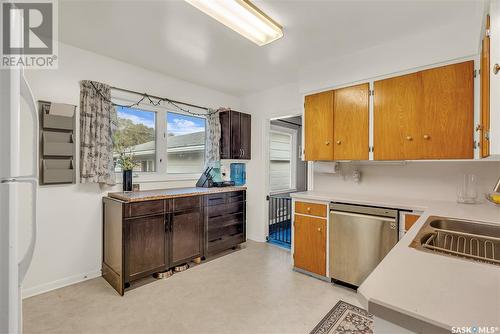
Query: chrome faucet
[497, 186]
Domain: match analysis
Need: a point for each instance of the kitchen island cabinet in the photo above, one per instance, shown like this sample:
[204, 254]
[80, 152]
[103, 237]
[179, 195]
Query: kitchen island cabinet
[152, 231]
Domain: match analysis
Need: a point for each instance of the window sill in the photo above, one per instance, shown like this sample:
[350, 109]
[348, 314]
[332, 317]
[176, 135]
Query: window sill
[144, 177]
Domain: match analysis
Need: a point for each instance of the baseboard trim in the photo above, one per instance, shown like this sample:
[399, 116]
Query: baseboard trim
[60, 283]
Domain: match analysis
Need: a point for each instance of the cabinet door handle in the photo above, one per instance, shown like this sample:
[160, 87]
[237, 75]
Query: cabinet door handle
[339, 142]
[319, 229]
[409, 138]
[327, 142]
[308, 209]
[242, 152]
[427, 137]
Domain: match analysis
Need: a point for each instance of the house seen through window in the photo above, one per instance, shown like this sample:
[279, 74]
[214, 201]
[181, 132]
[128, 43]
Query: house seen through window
[136, 134]
[180, 151]
[185, 143]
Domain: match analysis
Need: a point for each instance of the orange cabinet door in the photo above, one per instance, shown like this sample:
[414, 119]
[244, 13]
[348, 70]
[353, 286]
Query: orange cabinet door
[396, 104]
[318, 126]
[350, 123]
[446, 121]
[310, 244]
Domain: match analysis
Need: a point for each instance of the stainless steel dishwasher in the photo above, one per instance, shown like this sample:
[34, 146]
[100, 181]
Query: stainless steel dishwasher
[360, 237]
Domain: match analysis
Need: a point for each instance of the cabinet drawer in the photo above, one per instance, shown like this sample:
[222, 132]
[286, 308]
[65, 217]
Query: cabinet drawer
[225, 209]
[186, 203]
[236, 196]
[225, 220]
[224, 232]
[313, 209]
[215, 199]
[225, 243]
[144, 208]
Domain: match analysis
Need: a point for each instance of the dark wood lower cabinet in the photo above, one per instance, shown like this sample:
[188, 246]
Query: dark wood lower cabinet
[225, 222]
[186, 235]
[145, 246]
[142, 238]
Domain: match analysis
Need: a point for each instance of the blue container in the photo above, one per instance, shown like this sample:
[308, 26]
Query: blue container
[238, 174]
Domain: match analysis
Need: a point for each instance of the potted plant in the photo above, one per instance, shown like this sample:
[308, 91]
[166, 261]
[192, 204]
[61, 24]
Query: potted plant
[126, 160]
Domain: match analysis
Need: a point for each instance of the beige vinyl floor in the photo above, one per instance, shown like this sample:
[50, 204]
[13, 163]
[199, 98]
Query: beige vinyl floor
[251, 290]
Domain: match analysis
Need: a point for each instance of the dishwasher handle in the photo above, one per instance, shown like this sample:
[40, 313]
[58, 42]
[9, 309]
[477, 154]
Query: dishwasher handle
[360, 215]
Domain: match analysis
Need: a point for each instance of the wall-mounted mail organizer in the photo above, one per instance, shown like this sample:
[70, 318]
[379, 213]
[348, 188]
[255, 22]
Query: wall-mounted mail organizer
[57, 143]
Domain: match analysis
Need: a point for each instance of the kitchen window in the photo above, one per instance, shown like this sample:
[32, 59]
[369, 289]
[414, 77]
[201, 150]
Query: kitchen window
[168, 144]
[185, 143]
[136, 134]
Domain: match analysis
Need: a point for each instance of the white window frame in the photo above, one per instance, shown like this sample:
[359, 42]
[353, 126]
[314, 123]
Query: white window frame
[293, 158]
[160, 175]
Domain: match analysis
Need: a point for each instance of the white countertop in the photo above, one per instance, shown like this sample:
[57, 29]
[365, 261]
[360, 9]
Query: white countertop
[441, 290]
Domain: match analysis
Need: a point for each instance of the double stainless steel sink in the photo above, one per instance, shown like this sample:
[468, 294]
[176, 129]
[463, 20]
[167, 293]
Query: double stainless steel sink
[476, 241]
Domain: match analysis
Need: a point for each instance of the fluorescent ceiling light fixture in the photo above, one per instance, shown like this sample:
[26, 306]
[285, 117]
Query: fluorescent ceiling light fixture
[243, 17]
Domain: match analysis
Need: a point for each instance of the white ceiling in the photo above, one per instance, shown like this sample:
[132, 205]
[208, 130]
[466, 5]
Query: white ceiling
[174, 38]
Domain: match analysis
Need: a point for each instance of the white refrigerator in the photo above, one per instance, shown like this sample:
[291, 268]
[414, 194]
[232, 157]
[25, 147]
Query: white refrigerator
[15, 198]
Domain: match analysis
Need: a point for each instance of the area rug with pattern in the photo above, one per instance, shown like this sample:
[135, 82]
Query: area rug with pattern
[345, 318]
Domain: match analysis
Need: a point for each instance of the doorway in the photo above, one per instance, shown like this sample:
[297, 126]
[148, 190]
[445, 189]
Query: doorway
[287, 173]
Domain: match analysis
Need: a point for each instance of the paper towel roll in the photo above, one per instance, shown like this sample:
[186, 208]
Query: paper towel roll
[325, 167]
[62, 109]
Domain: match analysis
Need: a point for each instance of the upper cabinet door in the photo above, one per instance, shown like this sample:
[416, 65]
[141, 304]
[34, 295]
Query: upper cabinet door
[485, 93]
[446, 121]
[236, 135]
[246, 136]
[236, 152]
[225, 137]
[396, 104]
[350, 123]
[319, 126]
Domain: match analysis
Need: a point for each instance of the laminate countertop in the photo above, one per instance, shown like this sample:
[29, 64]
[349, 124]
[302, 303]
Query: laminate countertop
[148, 195]
[440, 290]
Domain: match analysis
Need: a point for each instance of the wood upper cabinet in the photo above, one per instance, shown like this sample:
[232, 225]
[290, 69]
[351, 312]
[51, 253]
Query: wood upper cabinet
[396, 104]
[236, 133]
[485, 94]
[318, 109]
[425, 115]
[310, 244]
[446, 121]
[245, 136]
[145, 246]
[350, 123]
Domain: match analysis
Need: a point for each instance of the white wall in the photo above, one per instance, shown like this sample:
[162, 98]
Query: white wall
[495, 78]
[415, 51]
[420, 180]
[280, 101]
[69, 242]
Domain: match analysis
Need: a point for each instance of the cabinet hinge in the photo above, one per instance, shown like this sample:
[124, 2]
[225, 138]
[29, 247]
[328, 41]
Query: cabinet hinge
[371, 92]
[370, 148]
[475, 73]
[488, 33]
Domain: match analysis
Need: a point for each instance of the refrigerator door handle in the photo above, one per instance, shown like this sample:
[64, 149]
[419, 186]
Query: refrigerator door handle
[28, 256]
[28, 96]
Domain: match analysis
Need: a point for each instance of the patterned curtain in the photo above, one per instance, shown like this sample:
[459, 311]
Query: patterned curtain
[97, 123]
[212, 140]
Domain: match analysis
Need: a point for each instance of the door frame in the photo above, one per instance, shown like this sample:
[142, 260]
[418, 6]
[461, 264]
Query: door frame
[266, 151]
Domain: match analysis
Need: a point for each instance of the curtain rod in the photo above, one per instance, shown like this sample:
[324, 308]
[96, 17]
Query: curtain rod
[159, 97]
